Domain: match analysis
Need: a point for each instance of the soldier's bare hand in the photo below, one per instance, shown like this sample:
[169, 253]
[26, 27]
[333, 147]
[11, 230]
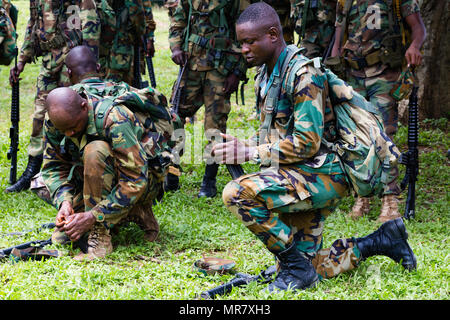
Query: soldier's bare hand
[79, 225]
[150, 47]
[232, 151]
[413, 56]
[15, 72]
[64, 215]
[179, 57]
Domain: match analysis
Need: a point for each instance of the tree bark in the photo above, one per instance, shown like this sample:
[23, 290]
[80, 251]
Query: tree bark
[434, 74]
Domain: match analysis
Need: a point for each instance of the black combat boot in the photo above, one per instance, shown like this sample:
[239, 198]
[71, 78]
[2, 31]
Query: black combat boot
[389, 240]
[296, 271]
[208, 188]
[33, 167]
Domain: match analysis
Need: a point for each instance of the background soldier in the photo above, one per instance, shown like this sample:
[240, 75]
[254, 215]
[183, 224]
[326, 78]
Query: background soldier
[374, 54]
[53, 29]
[8, 36]
[170, 5]
[202, 35]
[124, 26]
[314, 23]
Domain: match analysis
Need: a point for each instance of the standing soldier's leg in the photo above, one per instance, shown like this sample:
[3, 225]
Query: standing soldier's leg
[362, 204]
[378, 90]
[191, 99]
[217, 107]
[53, 74]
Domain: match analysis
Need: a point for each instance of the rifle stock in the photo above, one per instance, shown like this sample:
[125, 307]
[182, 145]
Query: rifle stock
[241, 279]
[149, 62]
[411, 157]
[14, 130]
[137, 79]
[35, 243]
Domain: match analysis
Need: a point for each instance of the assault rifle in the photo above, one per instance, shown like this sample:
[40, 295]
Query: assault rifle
[31, 246]
[137, 79]
[32, 249]
[241, 279]
[149, 62]
[14, 130]
[410, 158]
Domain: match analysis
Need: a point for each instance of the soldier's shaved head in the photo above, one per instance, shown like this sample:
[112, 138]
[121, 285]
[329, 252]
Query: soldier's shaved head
[262, 15]
[81, 61]
[258, 29]
[67, 110]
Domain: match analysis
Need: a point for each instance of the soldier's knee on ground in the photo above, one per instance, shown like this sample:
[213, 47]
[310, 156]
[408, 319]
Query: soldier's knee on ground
[230, 194]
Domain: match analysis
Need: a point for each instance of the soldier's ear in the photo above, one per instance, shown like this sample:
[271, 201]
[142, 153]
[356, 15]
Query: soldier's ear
[274, 33]
[98, 67]
[84, 105]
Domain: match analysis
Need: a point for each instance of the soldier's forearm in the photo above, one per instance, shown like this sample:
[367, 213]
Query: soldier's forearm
[418, 31]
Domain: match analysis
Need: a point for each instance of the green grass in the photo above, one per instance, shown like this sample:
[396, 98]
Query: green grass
[191, 227]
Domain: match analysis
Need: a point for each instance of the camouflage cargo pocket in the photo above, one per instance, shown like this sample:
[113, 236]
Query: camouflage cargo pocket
[403, 86]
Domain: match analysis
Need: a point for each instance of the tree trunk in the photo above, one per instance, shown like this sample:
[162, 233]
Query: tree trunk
[434, 75]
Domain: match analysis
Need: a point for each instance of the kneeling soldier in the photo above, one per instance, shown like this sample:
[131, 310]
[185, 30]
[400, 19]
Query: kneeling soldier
[286, 206]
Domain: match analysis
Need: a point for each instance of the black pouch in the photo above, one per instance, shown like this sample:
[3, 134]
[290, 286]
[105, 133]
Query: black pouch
[391, 51]
[337, 66]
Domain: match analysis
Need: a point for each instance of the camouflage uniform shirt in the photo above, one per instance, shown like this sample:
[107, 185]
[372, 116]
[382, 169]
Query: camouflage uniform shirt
[319, 24]
[123, 23]
[297, 128]
[8, 34]
[211, 38]
[78, 21]
[366, 31]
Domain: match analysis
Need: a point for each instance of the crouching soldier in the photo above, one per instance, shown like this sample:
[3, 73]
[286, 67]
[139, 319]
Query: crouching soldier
[98, 175]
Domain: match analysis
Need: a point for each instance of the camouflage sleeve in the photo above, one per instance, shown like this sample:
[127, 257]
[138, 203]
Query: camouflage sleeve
[56, 168]
[90, 25]
[8, 39]
[308, 122]
[178, 22]
[121, 131]
[26, 52]
[409, 7]
[149, 21]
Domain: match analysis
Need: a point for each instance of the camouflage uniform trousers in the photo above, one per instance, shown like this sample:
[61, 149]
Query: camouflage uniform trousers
[377, 89]
[206, 88]
[271, 208]
[99, 178]
[53, 74]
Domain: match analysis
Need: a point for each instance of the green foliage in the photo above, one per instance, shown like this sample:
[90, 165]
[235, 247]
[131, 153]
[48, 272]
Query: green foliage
[191, 227]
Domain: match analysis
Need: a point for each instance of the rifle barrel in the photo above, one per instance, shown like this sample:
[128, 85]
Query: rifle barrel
[14, 130]
[412, 162]
[225, 288]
